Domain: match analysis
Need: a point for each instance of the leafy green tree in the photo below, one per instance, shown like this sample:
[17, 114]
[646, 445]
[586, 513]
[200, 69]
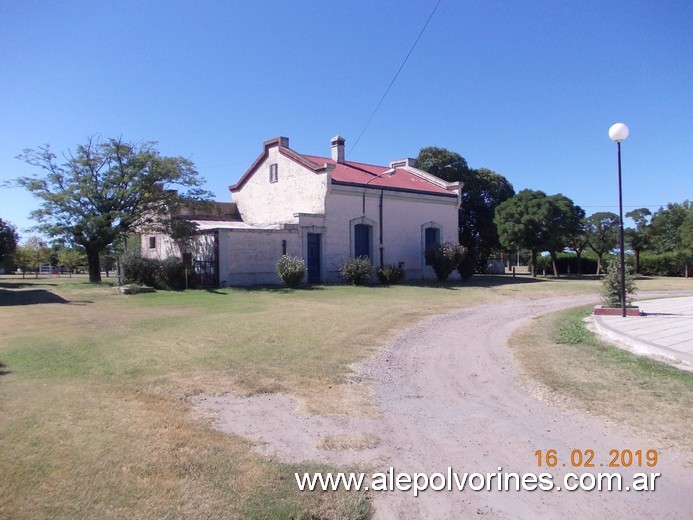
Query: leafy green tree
[521, 220]
[638, 237]
[8, 240]
[686, 232]
[538, 222]
[602, 234]
[71, 258]
[665, 226]
[577, 242]
[483, 190]
[23, 258]
[35, 252]
[563, 221]
[107, 189]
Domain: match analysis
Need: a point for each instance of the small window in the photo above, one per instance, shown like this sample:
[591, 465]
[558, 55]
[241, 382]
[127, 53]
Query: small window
[274, 173]
[152, 242]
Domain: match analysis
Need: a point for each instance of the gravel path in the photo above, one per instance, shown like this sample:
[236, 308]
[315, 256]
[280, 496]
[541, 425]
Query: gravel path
[448, 395]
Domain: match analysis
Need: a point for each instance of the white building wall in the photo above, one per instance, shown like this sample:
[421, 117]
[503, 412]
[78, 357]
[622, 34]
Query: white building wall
[249, 257]
[405, 215]
[201, 246]
[297, 190]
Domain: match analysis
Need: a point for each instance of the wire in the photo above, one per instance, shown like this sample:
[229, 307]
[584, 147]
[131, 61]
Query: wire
[394, 78]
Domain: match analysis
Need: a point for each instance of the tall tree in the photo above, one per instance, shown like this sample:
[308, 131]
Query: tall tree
[107, 189]
[602, 234]
[8, 240]
[563, 222]
[482, 191]
[70, 257]
[637, 238]
[37, 253]
[577, 242]
[666, 224]
[520, 221]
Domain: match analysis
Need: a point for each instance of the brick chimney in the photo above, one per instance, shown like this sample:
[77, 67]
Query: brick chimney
[337, 143]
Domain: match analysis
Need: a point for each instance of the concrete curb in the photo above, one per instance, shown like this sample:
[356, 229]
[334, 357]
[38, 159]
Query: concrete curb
[681, 360]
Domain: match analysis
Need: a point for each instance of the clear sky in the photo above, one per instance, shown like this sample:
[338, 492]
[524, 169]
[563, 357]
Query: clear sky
[528, 89]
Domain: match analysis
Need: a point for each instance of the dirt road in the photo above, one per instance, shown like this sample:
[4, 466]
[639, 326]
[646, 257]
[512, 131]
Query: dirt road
[449, 397]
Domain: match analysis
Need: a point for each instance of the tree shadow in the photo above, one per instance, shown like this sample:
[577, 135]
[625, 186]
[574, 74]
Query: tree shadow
[4, 372]
[34, 297]
[20, 284]
[277, 288]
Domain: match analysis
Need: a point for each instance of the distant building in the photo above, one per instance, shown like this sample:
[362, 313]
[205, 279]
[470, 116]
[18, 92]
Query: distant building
[322, 209]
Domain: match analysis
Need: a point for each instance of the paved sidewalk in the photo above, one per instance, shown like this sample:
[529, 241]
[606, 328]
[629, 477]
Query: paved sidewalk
[665, 329]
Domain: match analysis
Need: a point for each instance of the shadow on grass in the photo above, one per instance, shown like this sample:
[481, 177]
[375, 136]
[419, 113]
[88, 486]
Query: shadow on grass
[33, 297]
[278, 288]
[19, 284]
[4, 372]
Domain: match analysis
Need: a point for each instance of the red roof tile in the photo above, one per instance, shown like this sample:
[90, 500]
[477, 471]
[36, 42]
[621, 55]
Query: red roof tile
[360, 174]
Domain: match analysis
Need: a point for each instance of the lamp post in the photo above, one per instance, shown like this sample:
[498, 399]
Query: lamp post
[619, 132]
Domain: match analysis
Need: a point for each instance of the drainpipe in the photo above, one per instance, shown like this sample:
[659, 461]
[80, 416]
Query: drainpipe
[391, 170]
[382, 261]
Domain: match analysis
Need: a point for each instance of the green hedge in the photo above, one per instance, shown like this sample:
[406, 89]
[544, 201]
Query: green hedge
[665, 264]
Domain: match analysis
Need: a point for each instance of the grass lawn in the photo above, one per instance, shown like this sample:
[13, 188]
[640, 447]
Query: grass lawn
[95, 419]
[650, 399]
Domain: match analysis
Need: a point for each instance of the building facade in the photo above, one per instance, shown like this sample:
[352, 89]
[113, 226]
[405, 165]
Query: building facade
[323, 209]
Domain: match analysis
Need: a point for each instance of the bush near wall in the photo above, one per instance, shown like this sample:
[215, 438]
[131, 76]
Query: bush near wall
[358, 271]
[162, 274]
[390, 274]
[291, 270]
[665, 264]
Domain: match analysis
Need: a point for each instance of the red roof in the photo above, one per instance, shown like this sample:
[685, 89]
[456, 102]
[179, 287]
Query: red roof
[360, 174]
[351, 173]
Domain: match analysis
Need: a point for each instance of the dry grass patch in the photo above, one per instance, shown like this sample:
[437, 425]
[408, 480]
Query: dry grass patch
[95, 419]
[346, 441]
[648, 398]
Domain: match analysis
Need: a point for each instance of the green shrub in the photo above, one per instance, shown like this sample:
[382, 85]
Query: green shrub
[139, 270]
[665, 264]
[444, 258]
[291, 270]
[611, 284]
[466, 267]
[390, 274]
[358, 271]
[170, 274]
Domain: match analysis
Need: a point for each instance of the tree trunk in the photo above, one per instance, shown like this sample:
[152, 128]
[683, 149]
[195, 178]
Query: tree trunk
[553, 263]
[94, 266]
[599, 264]
[579, 266]
[534, 263]
[637, 262]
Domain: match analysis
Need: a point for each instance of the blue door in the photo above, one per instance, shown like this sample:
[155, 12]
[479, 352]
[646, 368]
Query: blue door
[362, 240]
[432, 238]
[313, 257]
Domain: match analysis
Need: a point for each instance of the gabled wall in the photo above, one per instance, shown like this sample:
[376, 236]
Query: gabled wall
[298, 189]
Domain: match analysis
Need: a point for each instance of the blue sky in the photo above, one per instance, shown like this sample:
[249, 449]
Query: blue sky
[525, 88]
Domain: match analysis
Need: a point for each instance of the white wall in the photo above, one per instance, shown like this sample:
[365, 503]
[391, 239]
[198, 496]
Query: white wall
[404, 217]
[249, 257]
[297, 190]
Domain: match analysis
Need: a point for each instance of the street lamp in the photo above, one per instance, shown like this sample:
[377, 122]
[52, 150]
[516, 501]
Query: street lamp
[619, 132]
